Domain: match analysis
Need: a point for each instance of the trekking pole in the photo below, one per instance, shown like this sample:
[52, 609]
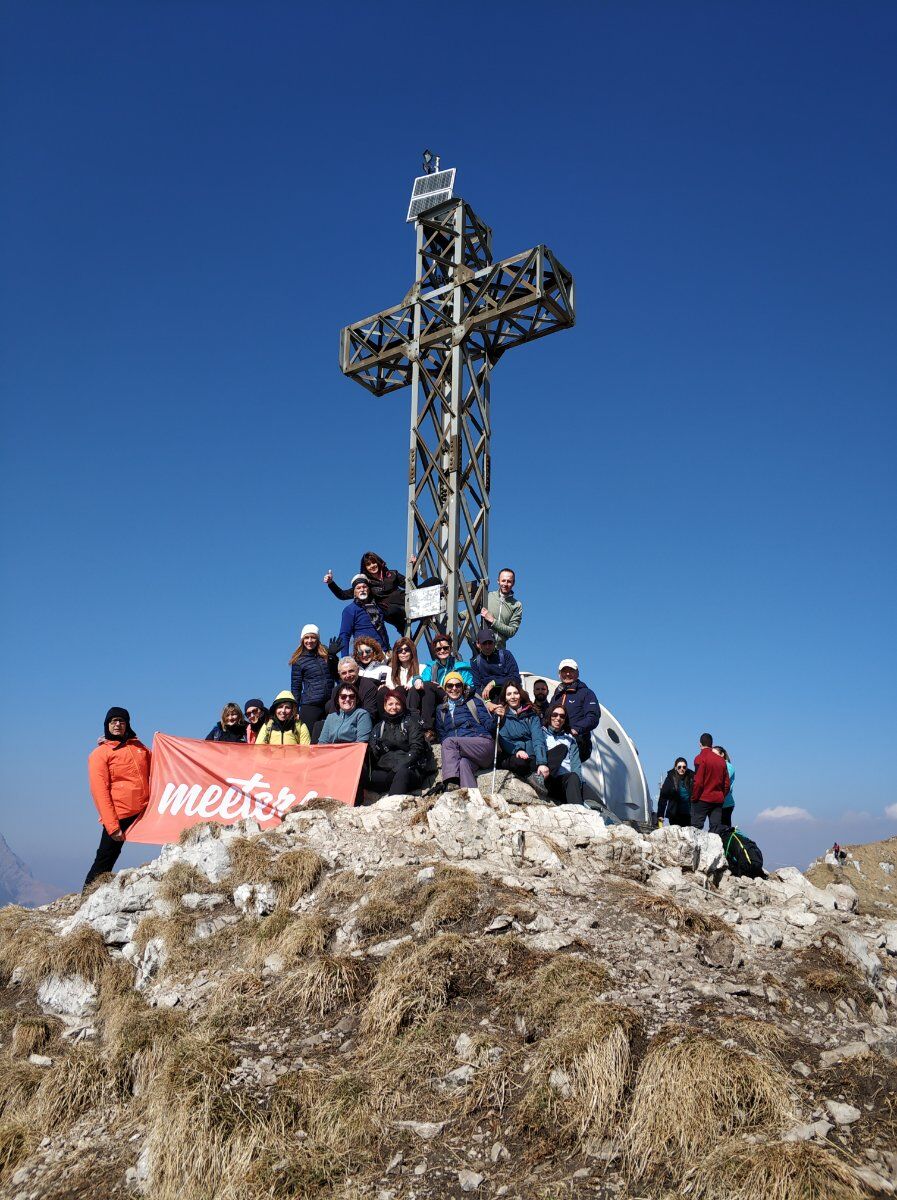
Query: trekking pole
[495, 756]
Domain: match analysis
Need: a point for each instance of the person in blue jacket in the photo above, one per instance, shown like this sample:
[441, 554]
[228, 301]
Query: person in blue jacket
[581, 704]
[465, 727]
[350, 723]
[521, 736]
[312, 674]
[492, 668]
[362, 618]
[564, 781]
[445, 661]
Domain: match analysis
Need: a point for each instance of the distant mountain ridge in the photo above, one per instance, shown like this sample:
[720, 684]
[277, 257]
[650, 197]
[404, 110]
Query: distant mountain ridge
[17, 883]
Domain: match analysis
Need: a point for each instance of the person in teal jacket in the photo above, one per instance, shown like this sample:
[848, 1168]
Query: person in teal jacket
[521, 736]
[729, 802]
[436, 672]
[349, 723]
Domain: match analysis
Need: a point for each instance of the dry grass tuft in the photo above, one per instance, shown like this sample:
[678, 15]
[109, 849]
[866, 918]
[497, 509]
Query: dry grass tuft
[737, 1170]
[250, 861]
[691, 1091]
[192, 832]
[762, 1035]
[296, 938]
[396, 898]
[33, 1034]
[76, 1084]
[295, 873]
[96, 883]
[680, 916]
[341, 889]
[562, 981]
[323, 984]
[17, 1139]
[182, 878]
[22, 937]
[415, 981]
[18, 1083]
[82, 952]
[580, 1072]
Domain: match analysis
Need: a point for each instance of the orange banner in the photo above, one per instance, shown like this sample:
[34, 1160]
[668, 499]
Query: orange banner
[195, 781]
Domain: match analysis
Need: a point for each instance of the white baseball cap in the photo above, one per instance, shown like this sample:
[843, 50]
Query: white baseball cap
[309, 629]
[568, 662]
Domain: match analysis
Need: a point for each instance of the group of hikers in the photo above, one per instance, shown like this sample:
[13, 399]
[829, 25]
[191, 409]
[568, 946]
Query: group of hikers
[691, 797]
[358, 688]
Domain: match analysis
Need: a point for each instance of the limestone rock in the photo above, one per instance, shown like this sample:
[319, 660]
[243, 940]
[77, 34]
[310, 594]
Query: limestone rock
[842, 1114]
[255, 899]
[67, 996]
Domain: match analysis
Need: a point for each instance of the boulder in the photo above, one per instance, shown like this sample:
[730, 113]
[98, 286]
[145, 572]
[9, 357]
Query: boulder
[255, 899]
[68, 997]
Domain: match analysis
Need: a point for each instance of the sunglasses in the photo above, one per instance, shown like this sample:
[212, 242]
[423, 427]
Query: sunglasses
[347, 695]
[450, 687]
[442, 647]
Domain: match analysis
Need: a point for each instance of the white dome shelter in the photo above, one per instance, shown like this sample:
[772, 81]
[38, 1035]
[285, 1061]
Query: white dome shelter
[614, 773]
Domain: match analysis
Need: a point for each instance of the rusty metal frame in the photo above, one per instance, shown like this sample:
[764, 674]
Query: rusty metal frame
[462, 313]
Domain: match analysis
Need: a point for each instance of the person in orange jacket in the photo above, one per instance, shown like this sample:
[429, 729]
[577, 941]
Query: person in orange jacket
[119, 771]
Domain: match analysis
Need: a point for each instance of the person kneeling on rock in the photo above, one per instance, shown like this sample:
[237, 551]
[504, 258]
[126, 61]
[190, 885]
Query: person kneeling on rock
[119, 771]
[521, 736]
[465, 727]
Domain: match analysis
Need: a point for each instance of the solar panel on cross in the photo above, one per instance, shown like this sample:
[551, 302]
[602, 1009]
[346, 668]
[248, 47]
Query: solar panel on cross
[430, 190]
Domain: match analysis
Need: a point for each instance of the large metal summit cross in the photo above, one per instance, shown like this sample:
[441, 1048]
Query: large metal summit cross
[461, 314]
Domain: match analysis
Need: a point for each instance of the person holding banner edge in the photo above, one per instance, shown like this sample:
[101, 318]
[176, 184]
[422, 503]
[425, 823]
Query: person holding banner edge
[119, 771]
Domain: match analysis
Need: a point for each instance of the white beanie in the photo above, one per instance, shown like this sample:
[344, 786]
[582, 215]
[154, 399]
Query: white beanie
[309, 629]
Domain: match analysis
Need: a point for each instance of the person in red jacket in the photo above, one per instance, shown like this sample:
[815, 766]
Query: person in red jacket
[119, 771]
[710, 786]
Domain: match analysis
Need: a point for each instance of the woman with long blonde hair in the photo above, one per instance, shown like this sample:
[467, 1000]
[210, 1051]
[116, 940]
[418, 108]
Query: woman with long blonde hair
[312, 675]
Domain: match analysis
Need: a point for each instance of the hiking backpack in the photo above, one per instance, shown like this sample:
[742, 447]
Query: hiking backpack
[743, 855]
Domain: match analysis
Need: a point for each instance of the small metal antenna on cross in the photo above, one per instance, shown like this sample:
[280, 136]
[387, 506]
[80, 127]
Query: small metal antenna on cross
[462, 313]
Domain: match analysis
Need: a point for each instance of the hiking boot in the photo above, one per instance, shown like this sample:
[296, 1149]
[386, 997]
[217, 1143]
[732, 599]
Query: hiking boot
[537, 783]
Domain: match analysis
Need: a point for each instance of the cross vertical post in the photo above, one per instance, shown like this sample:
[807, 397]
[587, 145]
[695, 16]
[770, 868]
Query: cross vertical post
[461, 314]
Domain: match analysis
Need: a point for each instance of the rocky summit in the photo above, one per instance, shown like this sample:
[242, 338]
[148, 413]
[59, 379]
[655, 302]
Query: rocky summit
[465, 995]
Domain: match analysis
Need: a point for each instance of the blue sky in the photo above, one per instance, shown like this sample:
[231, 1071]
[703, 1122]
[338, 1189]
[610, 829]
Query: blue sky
[695, 484]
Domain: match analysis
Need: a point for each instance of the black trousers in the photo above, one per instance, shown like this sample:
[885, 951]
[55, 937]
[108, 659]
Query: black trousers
[564, 789]
[107, 852]
[679, 815]
[520, 766]
[713, 813]
[423, 701]
[310, 715]
[394, 783]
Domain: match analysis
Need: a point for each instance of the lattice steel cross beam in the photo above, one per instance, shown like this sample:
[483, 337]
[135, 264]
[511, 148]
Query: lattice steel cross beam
[462, 313]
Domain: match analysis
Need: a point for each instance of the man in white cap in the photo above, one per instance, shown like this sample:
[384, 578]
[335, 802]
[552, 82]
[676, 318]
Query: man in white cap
[581, 704]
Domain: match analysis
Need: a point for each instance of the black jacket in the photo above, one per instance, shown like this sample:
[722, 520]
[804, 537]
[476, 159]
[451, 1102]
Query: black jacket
[398, 741]
[229, 733]
[383, 590]
[669, 800]
[367, 697]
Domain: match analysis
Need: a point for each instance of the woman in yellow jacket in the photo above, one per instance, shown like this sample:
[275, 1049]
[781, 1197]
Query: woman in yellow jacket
[283, 727]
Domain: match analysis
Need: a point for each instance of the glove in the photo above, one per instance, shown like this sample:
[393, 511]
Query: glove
[334, 647]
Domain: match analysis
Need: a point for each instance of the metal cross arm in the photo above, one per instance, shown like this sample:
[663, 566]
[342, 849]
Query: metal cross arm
[517, 300]
[461, 314]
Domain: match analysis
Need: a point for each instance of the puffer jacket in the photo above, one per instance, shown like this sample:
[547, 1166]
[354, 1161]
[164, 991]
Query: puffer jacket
[460, 722]
[500, 667]
[119, 780]
[669, 802]
[226, 733]
[522, 730]
[341, 727]
[570, 764]
[581, 703]
[356, 622]
[399, 736]
[311, 678]
[436, 671]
